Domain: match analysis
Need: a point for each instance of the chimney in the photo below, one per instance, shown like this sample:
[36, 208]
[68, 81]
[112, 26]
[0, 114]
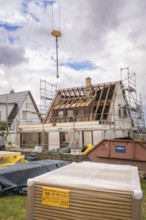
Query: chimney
[88, 86]
[12, 91]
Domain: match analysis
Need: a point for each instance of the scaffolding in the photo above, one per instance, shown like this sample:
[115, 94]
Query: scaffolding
[47, 92]
[134, 105]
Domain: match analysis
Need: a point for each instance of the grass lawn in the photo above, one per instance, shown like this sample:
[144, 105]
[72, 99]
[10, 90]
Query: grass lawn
[14, 207]
[143, 186]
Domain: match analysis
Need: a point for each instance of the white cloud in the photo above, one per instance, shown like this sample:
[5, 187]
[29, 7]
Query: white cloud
[111, 34]
[11, 55]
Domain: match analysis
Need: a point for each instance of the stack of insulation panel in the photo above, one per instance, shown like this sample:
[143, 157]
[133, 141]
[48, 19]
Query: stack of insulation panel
[87, 190]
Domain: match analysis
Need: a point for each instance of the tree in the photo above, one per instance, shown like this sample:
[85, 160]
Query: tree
[3, 126]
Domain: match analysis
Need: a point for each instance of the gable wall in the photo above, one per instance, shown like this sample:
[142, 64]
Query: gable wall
[119, 101]
[31, 118]
[3, 110]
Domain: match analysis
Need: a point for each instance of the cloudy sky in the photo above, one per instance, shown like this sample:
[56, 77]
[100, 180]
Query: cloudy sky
[98, 38]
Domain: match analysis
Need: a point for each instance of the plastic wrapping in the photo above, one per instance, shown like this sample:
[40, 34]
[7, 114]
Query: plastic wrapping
[91, 191]
[95, 175]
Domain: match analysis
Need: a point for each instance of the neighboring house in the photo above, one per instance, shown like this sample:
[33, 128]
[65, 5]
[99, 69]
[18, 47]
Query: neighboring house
[18, 108]
[84, 115]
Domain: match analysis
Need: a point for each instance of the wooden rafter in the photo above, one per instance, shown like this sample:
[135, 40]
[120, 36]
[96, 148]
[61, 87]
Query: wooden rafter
[89, 99]
[94, 98]
[81, 102]
[97, 101]
[96, 110]
[105, 102]
[113, 98]
[59, 105]
[72, 96]
[79, 92]
[72, 101]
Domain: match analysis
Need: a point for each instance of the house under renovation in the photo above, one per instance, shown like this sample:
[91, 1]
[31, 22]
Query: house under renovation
[85, 115]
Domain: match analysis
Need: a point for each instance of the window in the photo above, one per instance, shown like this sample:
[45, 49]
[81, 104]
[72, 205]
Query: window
[70, 113]
[123, 112]
[24, 115]
[64, 139]
[60, 113]
[80, 112]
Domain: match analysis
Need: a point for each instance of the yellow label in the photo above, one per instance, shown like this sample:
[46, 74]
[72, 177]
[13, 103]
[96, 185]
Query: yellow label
[55, 197]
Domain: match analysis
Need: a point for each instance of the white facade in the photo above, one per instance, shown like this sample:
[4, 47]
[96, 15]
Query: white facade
[54, 140]
[5, 111]
[84, 133]
[120, 113]
[27, 114]
[15, 109]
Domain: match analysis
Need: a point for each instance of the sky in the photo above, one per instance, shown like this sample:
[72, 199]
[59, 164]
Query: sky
[99, 37]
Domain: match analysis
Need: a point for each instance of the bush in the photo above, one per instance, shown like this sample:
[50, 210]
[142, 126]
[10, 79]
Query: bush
[3, 125]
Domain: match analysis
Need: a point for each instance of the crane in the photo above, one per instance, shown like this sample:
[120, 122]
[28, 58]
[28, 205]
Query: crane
[56, 34]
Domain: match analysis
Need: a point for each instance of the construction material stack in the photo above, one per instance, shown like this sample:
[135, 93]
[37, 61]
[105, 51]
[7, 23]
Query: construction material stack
[86, 190]
[8, 158]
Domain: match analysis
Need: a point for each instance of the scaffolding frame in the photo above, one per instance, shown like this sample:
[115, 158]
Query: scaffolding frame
[133, 103]
[47, 92]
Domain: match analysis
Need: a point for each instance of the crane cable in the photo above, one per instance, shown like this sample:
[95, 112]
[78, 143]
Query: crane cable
[58, 15]
[56, 34]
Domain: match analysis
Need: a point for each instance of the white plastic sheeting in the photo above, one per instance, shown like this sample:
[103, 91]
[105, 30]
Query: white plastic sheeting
[95, 175]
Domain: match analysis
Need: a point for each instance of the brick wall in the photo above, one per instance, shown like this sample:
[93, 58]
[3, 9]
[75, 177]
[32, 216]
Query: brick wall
[56, 156]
